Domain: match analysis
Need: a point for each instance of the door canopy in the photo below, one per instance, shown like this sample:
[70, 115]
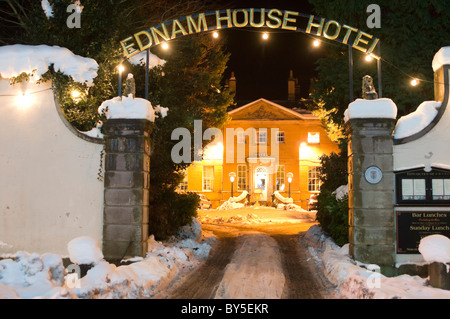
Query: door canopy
[256, 18]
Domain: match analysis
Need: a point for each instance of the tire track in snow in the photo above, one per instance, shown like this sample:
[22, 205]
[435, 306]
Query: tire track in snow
[202, 283]
[301, 282]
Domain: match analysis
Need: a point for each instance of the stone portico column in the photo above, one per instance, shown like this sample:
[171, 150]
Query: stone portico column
[371, 190]
[127, 182]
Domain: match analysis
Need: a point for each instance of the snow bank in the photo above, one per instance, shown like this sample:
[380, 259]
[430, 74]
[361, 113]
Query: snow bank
[356, 280]
[379, 108]
[281, 198]
[232, 202]
[435, 248]
[418, 120]
[43, 276]
[84, 250]
[442, 57]
[30, 275]
[127, 108]
[35, 60]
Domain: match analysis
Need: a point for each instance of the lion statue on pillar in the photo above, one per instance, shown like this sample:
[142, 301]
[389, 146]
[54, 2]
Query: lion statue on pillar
[368, 90]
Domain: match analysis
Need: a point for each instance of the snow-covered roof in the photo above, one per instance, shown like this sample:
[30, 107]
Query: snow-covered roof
[442, 57]
[379, 108]
[35, 60]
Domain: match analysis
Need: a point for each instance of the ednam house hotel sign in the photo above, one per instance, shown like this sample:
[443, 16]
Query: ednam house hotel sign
[256, 18]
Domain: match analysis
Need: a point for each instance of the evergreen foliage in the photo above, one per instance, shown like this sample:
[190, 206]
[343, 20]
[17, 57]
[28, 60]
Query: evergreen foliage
[332, 214]
[410, 35]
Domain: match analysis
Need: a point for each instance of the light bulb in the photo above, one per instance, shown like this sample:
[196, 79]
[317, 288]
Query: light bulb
[414, 82]
[215, 34]
[265, 36]
[316, 43]
[165, 46]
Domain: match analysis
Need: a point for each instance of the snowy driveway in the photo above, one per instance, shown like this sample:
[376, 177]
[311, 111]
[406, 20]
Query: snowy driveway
[257, 256]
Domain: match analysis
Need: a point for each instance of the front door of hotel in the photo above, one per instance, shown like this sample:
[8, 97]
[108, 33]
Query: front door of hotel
[261, 182]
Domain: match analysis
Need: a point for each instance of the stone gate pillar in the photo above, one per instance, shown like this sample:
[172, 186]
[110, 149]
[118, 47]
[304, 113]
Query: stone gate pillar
[371, 189]
[126, 182]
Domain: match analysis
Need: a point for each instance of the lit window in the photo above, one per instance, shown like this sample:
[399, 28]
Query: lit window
[313, 179]
[261, 137]
[280, 178]
[313, 138]
[208, 178]
[280, 137]
[241, 137]
[242, 177]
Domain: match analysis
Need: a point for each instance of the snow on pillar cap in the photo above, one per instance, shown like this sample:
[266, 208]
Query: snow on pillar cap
[441, 58]
[379, 108]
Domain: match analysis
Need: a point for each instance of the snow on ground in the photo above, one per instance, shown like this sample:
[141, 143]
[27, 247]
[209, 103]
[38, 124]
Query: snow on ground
[251, 215]
[35, 60]
[241, 281]
[355, 281]
[29, 275]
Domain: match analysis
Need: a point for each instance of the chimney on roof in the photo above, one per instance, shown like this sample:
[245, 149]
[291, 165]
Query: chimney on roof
[232, 83]
[291, 86]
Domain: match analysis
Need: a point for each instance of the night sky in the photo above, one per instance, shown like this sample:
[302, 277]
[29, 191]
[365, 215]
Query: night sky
[262, 67]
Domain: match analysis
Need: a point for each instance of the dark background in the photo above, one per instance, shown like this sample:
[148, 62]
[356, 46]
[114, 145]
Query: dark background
[262, 67]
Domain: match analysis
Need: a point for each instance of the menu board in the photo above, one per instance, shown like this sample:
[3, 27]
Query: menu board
[412, 226]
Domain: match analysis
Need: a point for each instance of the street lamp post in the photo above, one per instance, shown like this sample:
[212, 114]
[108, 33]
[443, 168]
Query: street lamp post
[232, 177]
[289, 177]
[350, 70]
[121, 68]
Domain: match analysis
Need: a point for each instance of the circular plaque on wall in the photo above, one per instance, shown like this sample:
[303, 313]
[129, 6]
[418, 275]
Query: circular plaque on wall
[373, 175]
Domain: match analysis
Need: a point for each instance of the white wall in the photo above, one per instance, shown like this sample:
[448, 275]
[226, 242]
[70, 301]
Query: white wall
[49, 191]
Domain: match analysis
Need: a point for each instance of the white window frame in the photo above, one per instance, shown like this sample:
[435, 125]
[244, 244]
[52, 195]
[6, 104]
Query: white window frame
[315, 178]
[280, 178]
[240, 137]
[313, 138]
[209, 179]
[241, 177]
[259, 134]
[281, 137]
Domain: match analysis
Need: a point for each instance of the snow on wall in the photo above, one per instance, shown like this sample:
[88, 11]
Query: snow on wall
[418, 120]
[35, 59]
[49, 191]
[428, 150]
[379, 108]
[442, 57]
